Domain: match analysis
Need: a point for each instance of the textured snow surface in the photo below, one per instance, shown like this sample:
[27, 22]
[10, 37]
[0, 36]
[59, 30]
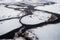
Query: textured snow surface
[7, 13]
[47, 32]
[51, 8]
[9, 25]
[37, 17]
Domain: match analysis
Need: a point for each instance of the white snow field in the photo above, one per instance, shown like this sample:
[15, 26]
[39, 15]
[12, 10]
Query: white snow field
[8, 25]
[47, 32]
[51, 31]
[37, 17]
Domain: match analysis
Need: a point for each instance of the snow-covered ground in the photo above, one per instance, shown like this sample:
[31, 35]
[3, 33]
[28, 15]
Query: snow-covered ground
[48, 32]
[36, 18]
[9, 24]
[52, 8]
[51, 31]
